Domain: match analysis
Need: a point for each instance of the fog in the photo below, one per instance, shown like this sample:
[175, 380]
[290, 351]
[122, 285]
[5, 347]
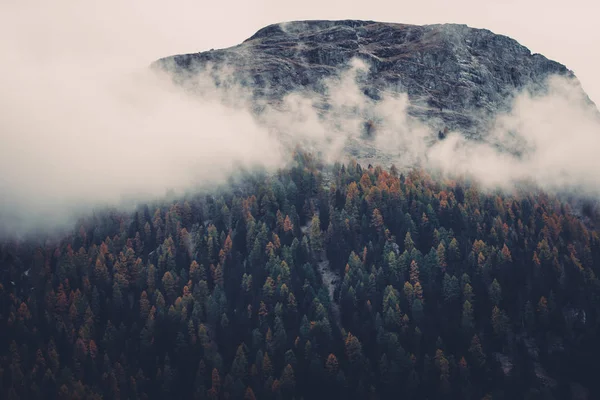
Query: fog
[77, 139]
[82, 126]
[556, 138]
[548, 141]
[86, 124]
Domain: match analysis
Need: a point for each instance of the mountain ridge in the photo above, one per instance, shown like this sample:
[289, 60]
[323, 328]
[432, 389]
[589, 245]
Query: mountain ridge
[456, 77]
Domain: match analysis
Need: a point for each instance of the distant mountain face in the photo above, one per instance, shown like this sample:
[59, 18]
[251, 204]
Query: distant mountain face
[455, 76]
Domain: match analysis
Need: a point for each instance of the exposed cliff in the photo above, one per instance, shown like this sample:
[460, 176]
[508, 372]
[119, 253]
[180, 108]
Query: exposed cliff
[455, 76]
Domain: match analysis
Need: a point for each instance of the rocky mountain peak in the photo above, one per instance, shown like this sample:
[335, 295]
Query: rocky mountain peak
[455, 76]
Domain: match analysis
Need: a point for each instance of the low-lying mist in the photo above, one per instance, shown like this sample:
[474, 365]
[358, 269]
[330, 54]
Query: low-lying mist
[80, 131]
[550, 140]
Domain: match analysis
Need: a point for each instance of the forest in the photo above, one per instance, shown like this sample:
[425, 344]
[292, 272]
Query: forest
[313, 282]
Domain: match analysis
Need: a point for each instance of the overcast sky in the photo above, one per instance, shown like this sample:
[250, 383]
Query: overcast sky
[141, 31]
[82, 122]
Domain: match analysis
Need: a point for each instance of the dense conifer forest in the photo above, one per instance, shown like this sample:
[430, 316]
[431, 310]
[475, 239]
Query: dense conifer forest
[315, 282]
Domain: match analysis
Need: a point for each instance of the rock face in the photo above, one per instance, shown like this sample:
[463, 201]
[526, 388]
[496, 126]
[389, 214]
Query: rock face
[454, 75]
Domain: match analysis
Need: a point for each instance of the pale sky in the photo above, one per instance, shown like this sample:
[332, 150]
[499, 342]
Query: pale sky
[148, 29]
[565, 31]
[84, 123]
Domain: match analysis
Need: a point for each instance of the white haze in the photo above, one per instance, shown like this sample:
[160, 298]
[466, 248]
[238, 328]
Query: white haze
[82, 126]
[558, 136]
[550, 140]
[339, 131]
[85, 124]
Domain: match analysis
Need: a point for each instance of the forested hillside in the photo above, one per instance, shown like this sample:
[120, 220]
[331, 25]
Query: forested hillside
[444, 291]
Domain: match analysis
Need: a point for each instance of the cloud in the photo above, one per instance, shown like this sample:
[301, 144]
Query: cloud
[81, 129]
[550, 139]
[338, 131]
[86, 124]
[547, 140]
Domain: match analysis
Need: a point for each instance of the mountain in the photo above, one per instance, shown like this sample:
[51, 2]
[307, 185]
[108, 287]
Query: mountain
[365, 285]
[455, 76]
[320, 280]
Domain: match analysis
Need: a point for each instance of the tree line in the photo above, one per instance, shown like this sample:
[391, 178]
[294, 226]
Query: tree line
[445, 291]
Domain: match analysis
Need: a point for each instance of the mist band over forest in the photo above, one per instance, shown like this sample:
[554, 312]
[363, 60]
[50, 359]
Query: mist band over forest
[330, 209]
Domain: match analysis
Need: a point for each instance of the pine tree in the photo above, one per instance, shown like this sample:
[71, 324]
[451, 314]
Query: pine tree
[316, 238]
[332, 365]
[495, 293]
